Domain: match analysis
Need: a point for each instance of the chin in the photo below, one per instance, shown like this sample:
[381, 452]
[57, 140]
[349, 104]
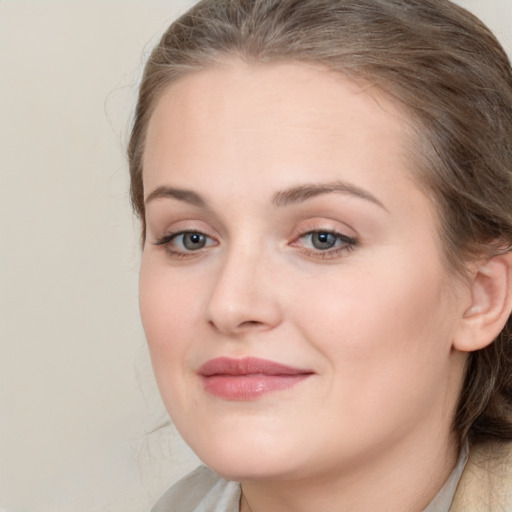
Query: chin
[247, 458]
[246, 468]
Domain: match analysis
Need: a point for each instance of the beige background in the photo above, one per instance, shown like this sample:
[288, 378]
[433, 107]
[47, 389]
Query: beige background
[77, 398]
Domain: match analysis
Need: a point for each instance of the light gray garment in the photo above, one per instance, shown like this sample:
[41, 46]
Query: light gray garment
[204, 491]
[443, 499]
[200, 491]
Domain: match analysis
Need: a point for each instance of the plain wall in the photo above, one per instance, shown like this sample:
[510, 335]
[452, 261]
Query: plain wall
[77, 397]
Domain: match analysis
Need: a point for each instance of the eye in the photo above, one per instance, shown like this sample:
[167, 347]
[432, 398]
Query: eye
[322, 240]
[324, 243]
[185, 241]
[191, 241]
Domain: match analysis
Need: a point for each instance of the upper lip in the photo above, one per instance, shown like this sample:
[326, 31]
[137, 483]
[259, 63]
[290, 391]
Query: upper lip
[247, 366]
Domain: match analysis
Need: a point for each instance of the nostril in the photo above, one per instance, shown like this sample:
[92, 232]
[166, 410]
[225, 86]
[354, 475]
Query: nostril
[241, 327]
[235, 307]
[250, 323]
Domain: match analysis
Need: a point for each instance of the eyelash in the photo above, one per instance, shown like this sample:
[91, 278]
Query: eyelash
[346, 244]
[167, 240]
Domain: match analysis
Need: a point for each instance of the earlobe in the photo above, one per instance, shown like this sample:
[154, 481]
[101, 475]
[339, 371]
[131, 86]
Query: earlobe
[491, 304]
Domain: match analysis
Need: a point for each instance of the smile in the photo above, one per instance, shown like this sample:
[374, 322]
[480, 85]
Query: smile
[249, 378]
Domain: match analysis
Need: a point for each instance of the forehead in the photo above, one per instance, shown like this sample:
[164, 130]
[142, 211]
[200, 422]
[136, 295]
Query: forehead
[273, 118]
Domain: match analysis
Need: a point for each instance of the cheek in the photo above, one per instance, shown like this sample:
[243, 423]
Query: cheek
[169, 309]
[381, 327]
[383, 343]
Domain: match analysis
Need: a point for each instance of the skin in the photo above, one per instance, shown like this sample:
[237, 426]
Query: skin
[374, 320]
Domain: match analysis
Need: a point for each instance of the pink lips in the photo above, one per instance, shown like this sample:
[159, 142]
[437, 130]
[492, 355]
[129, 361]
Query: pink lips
[248, 378]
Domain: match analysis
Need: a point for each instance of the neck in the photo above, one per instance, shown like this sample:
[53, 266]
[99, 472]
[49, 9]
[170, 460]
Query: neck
[405, 477]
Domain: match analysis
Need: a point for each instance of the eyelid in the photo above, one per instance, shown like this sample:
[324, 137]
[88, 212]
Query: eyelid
[323, 224]
[169, 237]
[336, 252]
[172, 220]
[170, 224]
[347, 238]
[341, 236]
[165, 241]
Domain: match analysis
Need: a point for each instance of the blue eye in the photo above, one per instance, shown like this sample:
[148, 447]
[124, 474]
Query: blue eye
[185, 241]
[192, 241]
[326, 243]
[322, 240]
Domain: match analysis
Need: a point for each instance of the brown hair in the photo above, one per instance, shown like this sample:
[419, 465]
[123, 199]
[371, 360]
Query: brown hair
[448, 72]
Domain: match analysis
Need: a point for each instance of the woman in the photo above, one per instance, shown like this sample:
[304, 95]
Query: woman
[325, 194]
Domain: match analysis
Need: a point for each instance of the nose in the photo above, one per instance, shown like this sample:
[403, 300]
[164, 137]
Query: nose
[244, 295]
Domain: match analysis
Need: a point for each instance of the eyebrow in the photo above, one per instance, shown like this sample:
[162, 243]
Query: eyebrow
[188, 196]
[307, 191]
[282, 198]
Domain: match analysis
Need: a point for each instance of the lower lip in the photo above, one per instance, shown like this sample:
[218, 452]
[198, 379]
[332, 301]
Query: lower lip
[249, 387]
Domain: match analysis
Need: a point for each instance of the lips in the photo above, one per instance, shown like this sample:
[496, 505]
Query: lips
[249, 378]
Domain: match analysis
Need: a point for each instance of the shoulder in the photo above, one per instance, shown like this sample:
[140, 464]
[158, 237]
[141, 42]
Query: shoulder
[486, 484]
[200, 491]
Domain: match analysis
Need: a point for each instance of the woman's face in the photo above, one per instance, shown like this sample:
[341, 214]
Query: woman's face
[292, 289]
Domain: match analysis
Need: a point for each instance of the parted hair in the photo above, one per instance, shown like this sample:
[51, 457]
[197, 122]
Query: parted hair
[454, 82]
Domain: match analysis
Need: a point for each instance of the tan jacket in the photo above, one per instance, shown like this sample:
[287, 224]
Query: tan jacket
[486, 484]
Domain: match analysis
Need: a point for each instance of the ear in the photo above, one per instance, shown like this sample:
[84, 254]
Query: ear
[490, 307]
